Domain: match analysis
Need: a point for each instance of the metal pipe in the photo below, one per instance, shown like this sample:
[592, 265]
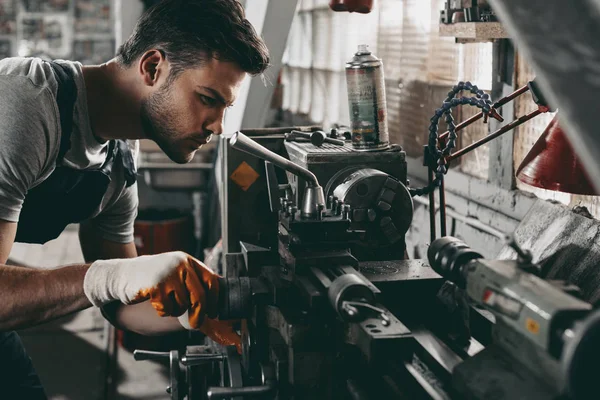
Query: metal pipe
[442, 209]
[494, 135]
[472, 222]
[442, 195]
[478, 116]
[243, 143]
[430, 178]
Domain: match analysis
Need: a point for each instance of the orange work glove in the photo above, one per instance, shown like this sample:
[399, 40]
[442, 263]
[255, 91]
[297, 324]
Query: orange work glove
[176, 284]
[222, 332]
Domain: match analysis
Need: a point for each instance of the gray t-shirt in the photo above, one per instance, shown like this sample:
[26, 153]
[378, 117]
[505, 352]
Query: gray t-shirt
[30, 139]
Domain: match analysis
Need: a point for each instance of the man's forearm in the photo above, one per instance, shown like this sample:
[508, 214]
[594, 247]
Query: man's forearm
[141, 318]
[32, 296]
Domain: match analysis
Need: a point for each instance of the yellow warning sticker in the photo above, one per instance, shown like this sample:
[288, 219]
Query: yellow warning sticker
[244, 176]
[532, 326]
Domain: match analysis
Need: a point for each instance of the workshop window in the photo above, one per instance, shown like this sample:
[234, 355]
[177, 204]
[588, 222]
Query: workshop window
[420, 68]
[79, 30]
[528, 133]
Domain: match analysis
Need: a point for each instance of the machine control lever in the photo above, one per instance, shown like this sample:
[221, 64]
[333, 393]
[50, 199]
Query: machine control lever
[142, 355]
[353, 309]
[174, 368]
[199, 359]
[245, 392]
[266, 390]
[524, 256]
[313, 194]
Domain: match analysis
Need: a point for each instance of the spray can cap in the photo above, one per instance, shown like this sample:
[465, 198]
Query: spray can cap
[363, 49]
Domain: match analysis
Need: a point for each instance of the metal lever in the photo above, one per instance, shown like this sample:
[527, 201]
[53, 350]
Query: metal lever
[317, 138]
[524, 257]
[199, 359]
[247, 391]
[243, 143]
[269, 386]
[352, 308]
[313, 193]
[142, 355]
[173, 357]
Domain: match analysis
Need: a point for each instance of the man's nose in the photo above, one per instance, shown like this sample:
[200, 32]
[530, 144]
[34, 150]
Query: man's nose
[216, 123]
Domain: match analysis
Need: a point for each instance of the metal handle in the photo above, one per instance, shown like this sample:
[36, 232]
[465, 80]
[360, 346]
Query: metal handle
[243, 143]
[313, 194]
[199, 359]
[141, 355]
[269, 387]
[317, 138]
[353, 309]
[173, 357]
[247, 391]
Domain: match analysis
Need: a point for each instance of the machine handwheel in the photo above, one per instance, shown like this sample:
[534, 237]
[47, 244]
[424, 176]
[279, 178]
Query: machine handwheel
[580, 358]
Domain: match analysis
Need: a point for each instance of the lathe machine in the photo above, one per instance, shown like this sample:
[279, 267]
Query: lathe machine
[315, 266]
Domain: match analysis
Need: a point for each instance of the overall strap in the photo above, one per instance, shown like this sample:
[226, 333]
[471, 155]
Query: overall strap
[65, 98]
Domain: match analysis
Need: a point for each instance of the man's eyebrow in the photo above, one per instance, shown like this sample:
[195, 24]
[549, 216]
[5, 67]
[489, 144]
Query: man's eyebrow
[216, 94]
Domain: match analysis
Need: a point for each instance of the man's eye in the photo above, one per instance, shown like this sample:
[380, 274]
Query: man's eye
[209, 101]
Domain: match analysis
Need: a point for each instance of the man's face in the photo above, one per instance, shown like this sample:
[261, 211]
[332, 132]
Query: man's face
[182, 116]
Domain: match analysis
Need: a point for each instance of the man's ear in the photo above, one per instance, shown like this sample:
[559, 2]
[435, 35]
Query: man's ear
[152, 66]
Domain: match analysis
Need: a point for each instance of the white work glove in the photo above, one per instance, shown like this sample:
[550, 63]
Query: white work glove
[176, 284]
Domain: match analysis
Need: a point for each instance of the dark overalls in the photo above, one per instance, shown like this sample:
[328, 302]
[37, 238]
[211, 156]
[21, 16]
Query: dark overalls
[66, 196]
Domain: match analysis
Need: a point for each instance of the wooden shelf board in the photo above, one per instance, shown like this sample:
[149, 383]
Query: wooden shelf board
[474, 30]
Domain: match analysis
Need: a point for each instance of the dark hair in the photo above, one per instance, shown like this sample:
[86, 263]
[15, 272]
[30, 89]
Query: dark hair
[190, 32]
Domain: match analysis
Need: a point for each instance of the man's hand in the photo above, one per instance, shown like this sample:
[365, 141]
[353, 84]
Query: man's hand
[175, 283]
[222, 332]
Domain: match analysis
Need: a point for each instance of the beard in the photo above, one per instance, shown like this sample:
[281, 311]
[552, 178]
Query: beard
[158, 125]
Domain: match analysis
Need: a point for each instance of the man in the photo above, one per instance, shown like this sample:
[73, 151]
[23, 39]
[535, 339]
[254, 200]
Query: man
[65, 158]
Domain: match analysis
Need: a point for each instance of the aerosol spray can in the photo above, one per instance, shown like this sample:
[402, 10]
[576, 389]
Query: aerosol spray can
[366, 99]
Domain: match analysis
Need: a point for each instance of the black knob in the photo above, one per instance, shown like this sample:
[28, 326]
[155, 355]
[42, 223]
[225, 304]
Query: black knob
[448, 255]
[317, 138]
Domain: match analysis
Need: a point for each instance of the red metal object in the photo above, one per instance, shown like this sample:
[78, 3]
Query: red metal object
[504, 129]
[497, 104]
[552, 164]
[359, 6]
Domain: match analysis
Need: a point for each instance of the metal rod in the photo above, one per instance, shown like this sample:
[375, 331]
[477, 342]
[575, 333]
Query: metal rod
[246, 391]
[198, 359]
[241, 142]
[442, 196]
[473, 222]
[494, 135]
[431, 206]
[478, 116]
[442, 209]
[279, 130]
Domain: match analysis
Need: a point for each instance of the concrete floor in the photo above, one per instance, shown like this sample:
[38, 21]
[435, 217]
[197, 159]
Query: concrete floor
[69, 354]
